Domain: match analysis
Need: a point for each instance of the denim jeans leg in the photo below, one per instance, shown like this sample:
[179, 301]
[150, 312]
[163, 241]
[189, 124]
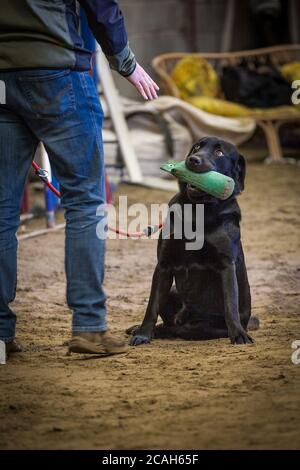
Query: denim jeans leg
[70, 129]
[17, 146]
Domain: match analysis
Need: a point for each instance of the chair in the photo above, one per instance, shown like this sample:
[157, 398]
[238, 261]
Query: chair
[270, 122]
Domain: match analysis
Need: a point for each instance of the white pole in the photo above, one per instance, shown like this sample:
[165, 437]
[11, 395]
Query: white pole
[2, 353]
[118, 119]
[49, 202]
[45, 163]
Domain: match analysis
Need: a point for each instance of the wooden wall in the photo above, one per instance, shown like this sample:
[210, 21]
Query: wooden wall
[157, 26]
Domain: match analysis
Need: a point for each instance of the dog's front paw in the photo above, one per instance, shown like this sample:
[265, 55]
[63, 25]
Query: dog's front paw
[137, 340]
[240, 337]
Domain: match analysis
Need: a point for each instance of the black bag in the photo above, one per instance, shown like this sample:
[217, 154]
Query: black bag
[255, 86]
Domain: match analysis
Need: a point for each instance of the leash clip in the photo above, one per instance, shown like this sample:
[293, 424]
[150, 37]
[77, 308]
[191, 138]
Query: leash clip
[43, 174]
[150, 230]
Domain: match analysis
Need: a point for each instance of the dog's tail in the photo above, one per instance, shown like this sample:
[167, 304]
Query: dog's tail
[253, 323]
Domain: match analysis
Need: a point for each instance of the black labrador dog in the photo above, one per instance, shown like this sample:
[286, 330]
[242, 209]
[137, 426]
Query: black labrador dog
[211, 296]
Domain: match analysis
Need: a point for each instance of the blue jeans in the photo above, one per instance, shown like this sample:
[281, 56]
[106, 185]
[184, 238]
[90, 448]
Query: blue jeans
[61, 109]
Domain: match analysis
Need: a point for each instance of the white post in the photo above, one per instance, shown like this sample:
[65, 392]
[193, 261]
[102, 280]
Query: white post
[50, 210]
[2, 353]
[118, 119]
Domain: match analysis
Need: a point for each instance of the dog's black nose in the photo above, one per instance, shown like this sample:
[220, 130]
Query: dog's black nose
[198, 164]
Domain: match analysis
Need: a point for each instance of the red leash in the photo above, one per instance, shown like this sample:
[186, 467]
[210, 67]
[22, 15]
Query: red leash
[147, 232]
[43, 175]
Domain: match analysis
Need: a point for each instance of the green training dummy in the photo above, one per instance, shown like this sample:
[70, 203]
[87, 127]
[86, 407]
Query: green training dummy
[214, 183]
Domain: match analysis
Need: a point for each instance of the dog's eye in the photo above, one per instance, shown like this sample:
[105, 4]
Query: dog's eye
[196, 147]
[219, 153]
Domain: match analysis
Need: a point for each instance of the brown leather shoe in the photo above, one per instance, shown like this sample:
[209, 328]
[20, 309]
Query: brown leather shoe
[13, 347]
[101, 343]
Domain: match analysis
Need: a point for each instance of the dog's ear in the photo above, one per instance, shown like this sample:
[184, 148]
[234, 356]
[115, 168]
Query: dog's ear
[195, 146]
[240, 173]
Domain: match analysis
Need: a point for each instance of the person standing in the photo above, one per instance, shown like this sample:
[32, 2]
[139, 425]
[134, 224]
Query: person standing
[51, 98]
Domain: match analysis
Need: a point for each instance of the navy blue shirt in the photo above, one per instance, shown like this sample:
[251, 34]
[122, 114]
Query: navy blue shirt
[45, 34]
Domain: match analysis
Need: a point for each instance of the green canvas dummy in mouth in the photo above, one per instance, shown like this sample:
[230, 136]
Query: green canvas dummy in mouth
[211, 182]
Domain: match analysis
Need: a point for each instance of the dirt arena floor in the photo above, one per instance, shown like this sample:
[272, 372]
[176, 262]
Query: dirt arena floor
[170, 394]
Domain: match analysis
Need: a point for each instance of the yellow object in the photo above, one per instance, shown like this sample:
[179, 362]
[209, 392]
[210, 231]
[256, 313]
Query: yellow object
[230, 109]
[219, 107]
[278, 111]
[291, 71]
[194, 76]
[199, 85]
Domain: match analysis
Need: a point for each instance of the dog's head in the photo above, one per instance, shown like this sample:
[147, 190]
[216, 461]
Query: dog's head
[213, 154]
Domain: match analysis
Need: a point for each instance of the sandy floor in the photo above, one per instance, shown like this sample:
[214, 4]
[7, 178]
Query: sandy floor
[170, 394]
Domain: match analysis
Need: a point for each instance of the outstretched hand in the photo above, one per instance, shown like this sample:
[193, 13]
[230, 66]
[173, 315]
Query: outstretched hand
[143, 83]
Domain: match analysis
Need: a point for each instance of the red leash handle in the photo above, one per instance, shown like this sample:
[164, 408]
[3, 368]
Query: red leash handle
[150, 230]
